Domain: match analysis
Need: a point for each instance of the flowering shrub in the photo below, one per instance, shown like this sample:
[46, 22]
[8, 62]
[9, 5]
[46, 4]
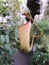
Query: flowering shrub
[9, 10]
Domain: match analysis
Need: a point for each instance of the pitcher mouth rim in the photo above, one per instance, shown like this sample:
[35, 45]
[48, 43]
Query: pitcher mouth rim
[24, 24]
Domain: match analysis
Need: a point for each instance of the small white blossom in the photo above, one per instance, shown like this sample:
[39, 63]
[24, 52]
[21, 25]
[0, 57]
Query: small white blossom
[8, 17]
[1, 18]
[34, 48]
[4, 20]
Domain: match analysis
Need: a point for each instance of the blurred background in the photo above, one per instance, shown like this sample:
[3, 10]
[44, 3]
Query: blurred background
[11, 18]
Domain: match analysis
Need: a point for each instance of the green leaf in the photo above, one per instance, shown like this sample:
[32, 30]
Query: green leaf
[3, 38]
[7, 38]
[44, 24]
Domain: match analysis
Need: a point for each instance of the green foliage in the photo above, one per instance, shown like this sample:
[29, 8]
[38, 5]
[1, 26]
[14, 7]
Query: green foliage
[44, 24]
[8, 34]
[6, 50]
[39, 57]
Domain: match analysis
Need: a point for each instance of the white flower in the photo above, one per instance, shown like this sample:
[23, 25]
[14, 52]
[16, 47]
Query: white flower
[4, 20]
[1, 19]
[8, 17]
[4, 0]
[34, 48]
